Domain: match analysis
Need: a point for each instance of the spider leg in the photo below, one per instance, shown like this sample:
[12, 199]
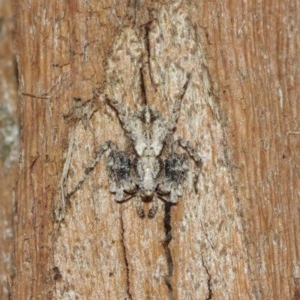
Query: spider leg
[171, 191]
[177, 105]
[165, 199]
[107, 146]
[194, 155]
[138, 204]
[120, 108]
[162, 198]
[126, 199]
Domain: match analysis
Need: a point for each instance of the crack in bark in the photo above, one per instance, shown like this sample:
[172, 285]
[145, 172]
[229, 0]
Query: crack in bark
[209, 286]
[125, 259]
[168, 239]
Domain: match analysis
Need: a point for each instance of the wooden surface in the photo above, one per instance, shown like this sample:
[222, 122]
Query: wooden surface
[9, 145]
[234, 235]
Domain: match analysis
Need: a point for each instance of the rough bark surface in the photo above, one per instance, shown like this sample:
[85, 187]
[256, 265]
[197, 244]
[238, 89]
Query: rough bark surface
[233, 235]
[9, 145]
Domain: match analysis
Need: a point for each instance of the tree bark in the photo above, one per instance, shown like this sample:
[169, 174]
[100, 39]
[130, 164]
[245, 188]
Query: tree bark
[9, 145]
[233, 234]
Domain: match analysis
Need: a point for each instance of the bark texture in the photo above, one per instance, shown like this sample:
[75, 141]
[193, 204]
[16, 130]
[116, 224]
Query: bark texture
[9, 145]
[233, 235]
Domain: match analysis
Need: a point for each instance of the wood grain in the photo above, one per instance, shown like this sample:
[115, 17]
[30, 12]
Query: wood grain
[234, 235]
[9, 145]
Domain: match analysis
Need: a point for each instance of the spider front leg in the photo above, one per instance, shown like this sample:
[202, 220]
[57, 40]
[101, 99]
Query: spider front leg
[194, 155]
[177, 105]
[120, 108]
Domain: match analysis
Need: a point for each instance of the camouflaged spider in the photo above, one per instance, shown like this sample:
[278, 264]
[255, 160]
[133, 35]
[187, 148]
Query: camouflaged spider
[155, 169]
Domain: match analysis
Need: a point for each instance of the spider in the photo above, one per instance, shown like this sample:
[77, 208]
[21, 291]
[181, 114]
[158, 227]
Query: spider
[154, 169]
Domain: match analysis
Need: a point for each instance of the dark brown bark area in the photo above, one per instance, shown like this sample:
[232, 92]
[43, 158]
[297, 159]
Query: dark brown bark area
[237, 237]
